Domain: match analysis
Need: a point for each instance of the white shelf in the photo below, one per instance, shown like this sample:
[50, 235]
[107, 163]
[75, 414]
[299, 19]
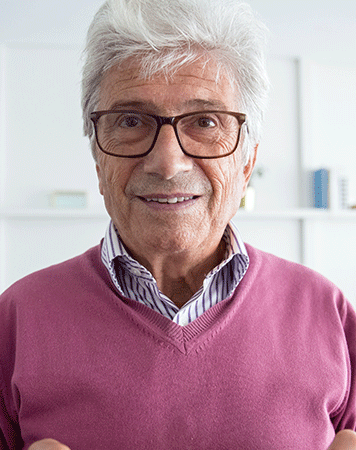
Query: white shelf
[297, 214]
[291, 214]
[51, 213]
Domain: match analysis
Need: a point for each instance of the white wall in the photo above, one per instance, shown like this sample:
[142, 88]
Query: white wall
[318, 29]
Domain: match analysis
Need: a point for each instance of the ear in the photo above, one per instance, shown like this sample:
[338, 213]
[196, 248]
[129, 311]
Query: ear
[98, 172]
[248, 169]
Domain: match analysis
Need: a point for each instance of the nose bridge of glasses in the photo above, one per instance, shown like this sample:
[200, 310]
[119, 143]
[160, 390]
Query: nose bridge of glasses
[161, 120]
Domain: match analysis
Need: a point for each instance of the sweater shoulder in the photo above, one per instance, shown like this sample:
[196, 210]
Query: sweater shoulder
[280, 266]
[270, 270]
[299, 294]
[58, 277]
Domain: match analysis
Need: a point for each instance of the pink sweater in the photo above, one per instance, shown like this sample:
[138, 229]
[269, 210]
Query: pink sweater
[273, 367]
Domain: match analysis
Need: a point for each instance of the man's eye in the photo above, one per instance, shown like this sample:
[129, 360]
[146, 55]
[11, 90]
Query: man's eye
[129, 122]
[206, 122]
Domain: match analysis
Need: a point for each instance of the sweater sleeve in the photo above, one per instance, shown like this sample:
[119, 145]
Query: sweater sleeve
[345, 417]
[10, 434]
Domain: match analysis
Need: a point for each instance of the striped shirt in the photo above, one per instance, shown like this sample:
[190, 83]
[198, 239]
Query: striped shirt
[135, 282]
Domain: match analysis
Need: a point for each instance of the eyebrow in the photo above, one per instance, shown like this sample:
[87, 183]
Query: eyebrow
[190, 104]
[132, 104]
[205, 104]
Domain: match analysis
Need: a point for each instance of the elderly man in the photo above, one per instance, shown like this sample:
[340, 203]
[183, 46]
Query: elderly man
[173, 334]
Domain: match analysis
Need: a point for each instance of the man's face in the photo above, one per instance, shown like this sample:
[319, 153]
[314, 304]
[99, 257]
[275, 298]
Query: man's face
[208, 191]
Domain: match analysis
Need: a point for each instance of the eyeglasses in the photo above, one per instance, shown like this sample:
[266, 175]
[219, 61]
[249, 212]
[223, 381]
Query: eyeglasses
[203, 134]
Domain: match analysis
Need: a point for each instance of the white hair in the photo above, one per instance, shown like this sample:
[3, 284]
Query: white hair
[163, 35]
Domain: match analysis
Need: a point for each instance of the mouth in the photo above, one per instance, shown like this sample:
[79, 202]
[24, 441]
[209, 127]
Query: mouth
[169, 200]
[161, 200]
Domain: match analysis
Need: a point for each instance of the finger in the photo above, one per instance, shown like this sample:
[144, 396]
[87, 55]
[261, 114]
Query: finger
[344, 440]
[48, 444]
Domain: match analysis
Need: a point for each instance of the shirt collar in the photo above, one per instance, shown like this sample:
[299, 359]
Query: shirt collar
[234, 248]
[114, 248]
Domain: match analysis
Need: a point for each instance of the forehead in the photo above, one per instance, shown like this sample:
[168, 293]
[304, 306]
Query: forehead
[194, 86]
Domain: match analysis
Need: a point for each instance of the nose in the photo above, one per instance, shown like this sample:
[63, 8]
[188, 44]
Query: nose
[167, 158]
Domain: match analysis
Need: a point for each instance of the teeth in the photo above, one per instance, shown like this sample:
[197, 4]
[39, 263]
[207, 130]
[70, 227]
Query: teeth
[169, 200]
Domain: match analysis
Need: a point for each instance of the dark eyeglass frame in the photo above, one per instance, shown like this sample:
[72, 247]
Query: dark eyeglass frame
[161, 120]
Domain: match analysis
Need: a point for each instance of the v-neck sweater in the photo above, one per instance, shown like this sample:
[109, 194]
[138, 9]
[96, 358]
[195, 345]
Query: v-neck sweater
[273, 366]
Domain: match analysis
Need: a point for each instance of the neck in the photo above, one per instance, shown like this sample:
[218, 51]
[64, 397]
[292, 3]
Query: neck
[179, 276]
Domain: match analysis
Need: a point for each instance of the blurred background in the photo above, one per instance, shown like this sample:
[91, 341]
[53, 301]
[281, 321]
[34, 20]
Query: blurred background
[50, 209]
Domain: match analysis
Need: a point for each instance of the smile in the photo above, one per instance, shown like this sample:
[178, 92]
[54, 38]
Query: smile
[170, 200]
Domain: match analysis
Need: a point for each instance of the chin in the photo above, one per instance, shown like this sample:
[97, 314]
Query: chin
[173, 241]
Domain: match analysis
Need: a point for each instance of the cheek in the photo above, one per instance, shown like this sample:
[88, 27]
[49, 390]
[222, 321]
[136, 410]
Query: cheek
[113, 177]
[112, 185]
[227, 180]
